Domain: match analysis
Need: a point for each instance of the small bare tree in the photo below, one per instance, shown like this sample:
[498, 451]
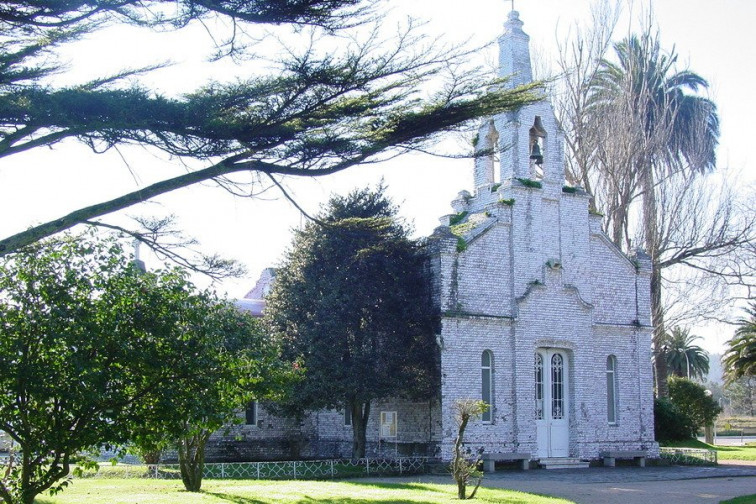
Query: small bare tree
[465, 466]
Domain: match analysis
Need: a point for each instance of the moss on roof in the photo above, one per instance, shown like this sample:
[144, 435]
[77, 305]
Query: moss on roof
[469, 223]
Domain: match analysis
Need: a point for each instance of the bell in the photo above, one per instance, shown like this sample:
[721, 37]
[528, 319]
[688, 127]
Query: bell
[535, 154]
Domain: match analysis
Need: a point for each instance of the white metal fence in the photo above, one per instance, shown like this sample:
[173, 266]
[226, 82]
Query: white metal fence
[689, 456]
[300, 469]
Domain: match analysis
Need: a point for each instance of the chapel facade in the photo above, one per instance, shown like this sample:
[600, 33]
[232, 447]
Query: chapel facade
[543, 317]
[554, 318]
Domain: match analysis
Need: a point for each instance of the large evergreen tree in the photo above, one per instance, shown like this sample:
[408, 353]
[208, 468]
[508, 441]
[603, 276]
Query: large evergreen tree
[352, 304]
[335, 95]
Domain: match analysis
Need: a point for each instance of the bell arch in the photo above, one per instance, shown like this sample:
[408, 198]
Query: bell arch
[486, 142]
[536, 148]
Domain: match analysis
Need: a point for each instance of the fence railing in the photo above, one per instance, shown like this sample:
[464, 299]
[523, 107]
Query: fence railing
[300, 469]
[689, 456]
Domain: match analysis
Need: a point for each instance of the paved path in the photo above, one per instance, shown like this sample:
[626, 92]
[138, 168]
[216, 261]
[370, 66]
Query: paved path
[626, 485]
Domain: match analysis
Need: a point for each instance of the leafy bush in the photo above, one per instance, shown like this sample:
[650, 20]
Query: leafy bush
[694, 400]
[671, 423]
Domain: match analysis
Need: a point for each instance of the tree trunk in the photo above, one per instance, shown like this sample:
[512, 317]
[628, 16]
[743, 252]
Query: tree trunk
[28, 491]
[709, 434]
[651, 238]
[461, 490]
[191, 451]
[360, 415]
[458, 463]
[657, 319]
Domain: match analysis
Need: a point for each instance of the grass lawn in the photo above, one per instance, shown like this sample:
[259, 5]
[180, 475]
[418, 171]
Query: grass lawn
[139, 491]
[747, 452]
[746, 499]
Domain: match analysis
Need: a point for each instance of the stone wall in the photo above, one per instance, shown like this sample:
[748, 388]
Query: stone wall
[539, 273]
[323, 434]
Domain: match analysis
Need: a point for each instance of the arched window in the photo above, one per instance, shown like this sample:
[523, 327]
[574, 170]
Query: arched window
[538, 387]
[611, 389]
[250, 413]
[486, 375]
[557, 387]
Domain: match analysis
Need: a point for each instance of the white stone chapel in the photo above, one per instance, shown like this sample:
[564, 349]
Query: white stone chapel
[542, 317]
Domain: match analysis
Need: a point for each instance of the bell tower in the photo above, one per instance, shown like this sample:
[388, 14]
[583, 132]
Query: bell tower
[514, 52]
[528, 142]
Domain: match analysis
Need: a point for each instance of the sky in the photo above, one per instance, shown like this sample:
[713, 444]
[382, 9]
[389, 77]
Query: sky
[715, 38]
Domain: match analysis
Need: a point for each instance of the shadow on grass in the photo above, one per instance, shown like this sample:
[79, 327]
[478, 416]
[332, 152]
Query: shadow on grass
[399, 486]
[736, 449]
[237, 499]
[484, 495]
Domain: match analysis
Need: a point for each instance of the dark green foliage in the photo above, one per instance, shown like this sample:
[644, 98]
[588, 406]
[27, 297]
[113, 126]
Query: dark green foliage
[94, 351]
[507, 202]
[495, 187]
[457, 218]
[533, 184]
[740, 358]
[32, 14]
[667, 102]
[352, 305]
[569, 189]
[234, 363]
[688, 409]
[670, 422]
[694, 401]
[461, 244]
[333, 105]
[683, 357]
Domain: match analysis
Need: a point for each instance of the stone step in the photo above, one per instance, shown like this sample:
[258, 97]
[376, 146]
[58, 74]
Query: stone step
[563, 463]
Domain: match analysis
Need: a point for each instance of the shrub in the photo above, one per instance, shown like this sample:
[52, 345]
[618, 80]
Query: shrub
[694, 400]
[671, 423]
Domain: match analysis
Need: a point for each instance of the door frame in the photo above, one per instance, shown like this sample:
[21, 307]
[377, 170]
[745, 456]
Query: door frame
[552, 434]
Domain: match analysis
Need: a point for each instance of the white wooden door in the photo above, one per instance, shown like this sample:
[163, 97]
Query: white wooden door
[551, 403]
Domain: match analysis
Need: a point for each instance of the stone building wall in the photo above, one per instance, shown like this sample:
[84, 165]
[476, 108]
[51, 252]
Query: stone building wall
[539, 273]
[323, 434]
[523, 267]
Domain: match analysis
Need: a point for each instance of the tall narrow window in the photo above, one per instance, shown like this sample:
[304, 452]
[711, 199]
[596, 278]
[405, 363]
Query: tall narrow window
[611, 389]
[388, 424]
[486, 375]
[251, 413]
[348, 414]
[538, 387]
[557, 387]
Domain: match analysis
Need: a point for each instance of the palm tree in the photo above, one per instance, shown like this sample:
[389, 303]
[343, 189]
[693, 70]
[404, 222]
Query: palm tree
[669, 128]
[677, 130]
[683, 357]
[740, 358]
